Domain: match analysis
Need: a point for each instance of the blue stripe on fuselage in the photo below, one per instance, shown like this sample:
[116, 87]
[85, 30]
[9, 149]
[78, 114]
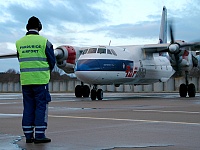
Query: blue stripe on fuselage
[103, 65]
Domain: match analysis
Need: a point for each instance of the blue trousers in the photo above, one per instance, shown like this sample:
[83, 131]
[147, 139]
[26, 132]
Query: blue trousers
[35, 113]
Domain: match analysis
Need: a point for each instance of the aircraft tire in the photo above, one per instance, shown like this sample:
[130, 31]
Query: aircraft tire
[191, 90]
[99, 94]
[93, 94]
[86, 91]
[78, 91]
[183, 90]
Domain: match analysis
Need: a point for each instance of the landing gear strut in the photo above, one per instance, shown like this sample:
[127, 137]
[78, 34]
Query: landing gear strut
[187, 88]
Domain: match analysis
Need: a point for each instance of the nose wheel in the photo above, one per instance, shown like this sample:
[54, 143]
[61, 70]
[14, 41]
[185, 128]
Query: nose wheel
[185, 89]
[96, 93]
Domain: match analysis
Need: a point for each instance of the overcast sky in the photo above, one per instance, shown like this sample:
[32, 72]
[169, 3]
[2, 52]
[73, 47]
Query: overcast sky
[95, 22]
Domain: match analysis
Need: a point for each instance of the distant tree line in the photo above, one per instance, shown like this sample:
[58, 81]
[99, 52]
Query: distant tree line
[13, 76]
[9, 76]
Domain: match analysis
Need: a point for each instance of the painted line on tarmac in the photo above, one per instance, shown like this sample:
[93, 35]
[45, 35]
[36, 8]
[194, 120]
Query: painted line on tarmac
[167, 111]
[129, 120]
[10, 115]
[10, 103]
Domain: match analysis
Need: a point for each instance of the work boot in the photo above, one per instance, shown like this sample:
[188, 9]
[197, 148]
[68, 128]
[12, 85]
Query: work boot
[43, 140]
[30, 140]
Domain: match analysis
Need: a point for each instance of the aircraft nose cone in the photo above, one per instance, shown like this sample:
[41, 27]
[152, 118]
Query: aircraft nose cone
[87, 70]
[88, 65]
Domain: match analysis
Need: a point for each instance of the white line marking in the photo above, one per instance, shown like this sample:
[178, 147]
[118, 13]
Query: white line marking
[10, 115]
[10, 103]
[162, 111]
[130, 120]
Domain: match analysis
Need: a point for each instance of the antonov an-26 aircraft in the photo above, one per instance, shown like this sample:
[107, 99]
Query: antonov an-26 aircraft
[130, 64]
[138, 64]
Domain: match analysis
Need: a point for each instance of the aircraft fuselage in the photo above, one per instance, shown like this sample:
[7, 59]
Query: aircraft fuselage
[117, 65]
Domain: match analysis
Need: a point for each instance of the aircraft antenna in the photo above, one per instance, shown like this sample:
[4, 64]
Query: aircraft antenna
[109, 42]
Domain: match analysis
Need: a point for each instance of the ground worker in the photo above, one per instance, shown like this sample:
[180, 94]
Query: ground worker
[36, 58]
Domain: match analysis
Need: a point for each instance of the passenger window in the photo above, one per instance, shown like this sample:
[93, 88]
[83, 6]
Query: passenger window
[92, 50]
[109, 52]
[101, 50]
[113, 52]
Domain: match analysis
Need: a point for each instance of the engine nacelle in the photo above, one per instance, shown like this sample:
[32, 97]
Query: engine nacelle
[65, 58]
[179, 56]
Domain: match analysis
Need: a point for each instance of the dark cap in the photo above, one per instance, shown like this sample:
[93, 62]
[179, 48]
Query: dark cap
[34, 23]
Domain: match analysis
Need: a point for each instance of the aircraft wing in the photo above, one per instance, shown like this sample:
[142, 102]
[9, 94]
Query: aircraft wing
[66, 57]
[194, 46]
[153, 48]
[11, 55]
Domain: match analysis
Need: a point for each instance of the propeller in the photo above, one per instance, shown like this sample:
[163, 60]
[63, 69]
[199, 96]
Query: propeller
[173, 47]
[177, 48]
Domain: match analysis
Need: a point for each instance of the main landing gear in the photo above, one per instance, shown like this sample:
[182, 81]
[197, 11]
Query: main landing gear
[187, 88]
[84, 91]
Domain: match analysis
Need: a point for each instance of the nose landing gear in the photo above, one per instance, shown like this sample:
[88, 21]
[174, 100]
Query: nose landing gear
[96, 93]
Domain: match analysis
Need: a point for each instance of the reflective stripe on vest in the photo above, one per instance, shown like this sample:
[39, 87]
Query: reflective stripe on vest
[34, 67]
[32, 59]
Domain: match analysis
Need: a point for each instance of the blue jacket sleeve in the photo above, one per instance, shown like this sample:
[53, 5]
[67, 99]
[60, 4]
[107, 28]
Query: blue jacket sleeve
[50, 55]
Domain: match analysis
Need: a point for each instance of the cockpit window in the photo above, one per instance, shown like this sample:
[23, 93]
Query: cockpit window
[113, 52]
[84, 51]
[109, 52]
[101, 50]
[92, 50]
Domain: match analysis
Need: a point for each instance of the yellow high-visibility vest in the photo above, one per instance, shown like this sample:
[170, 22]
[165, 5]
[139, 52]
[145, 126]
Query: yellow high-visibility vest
[34, 68]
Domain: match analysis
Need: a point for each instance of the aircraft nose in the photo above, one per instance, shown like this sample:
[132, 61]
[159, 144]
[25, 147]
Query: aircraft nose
[87, 70]
[88, 65]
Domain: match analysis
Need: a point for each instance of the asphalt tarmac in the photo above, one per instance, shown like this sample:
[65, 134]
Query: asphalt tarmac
[122, 121]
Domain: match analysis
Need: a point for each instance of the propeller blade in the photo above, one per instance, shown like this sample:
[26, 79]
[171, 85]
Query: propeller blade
[171, 33]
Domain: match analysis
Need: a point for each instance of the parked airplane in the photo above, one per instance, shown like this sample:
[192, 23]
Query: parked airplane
[130, 64]
[137, 64]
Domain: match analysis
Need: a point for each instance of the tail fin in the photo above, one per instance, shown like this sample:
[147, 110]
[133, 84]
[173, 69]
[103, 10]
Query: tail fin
[163, 27]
